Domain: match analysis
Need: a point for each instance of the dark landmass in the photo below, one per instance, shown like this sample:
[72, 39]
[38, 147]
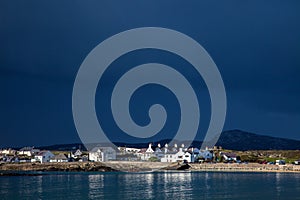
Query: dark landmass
[64, 167]
[28, 169]
[233, 139]
[242, 141]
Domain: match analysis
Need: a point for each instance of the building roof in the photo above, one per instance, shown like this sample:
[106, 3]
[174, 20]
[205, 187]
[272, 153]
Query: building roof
[230, 155]
[42, 153]
[60, 156]
[95, 149]
[77, 152]
[171, 152]
[26, 149]
[143, 150]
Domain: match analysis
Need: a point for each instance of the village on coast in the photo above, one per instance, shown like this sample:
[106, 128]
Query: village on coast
[158, 153]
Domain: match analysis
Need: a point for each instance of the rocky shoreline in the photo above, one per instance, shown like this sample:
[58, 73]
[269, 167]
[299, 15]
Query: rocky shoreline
[72, 167]
[19, 168]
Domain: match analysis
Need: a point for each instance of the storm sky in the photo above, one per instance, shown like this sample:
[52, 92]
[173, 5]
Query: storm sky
[255, 44]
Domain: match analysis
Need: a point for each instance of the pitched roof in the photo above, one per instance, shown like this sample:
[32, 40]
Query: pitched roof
[143, 150]
[231, 155]
[77, 152]
[60, 156]
[42, 153]
[26, 148]
[95, 149]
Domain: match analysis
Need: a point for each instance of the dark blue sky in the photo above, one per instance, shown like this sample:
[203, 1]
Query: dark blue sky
[255, 44]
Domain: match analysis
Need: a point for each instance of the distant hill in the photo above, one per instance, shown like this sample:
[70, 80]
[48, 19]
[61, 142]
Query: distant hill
[63, 147]
[233, 139]
[241, 140]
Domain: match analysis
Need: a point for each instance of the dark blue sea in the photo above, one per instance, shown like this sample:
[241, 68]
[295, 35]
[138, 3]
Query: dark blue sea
[155, 185]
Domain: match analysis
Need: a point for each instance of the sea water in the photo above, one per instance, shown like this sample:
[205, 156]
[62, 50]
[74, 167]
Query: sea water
[153, 185]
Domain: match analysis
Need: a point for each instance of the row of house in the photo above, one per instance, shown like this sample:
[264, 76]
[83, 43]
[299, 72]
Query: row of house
[41, 156]
[166, 153]
[162, 154]
[30, 154]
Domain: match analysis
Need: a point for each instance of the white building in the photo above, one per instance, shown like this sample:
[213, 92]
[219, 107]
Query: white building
[128, 150]
[8, 151]
[28, 151]
[42, 157]
[102, 154]
[227, 156]
[158, 152]
[76, 154]
[148, 153]
[173, 156]
[169, 157]
[59, 158]
[206, 155]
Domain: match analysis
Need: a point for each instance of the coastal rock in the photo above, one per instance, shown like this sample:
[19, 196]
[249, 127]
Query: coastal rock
[55, 167]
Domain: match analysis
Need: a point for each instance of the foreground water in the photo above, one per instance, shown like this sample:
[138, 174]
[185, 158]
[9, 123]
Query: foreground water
[156, 185]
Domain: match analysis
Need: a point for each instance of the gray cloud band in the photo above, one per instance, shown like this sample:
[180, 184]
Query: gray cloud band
[94, 65]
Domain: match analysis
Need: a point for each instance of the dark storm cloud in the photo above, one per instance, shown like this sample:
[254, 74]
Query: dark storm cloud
[255, 44]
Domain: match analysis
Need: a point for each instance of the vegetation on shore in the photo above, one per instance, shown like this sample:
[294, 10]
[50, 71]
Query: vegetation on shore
[259, 156]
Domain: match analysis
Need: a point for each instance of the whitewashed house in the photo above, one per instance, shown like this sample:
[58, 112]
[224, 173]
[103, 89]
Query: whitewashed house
[128, 154]
[59, 158]
[102, 154]
[141, 153]
[194, 153]
[76, 154]
[8, 151]
[42, 157]
[128, 150]
[158, 152]
[28, 151]
[145, 155]
[184, 156]
[169, 156]
[206, 155]
[180, 155]
[229, 156]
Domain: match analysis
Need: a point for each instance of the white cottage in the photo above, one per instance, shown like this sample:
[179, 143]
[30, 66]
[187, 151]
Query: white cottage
[102, 154]
[173, 156]
[206, 155]
[8, 151]
[28, 151]
[158, 152]
[76, 154]
[43, 156]
[59, 158]
[145, 155]
[169, 156]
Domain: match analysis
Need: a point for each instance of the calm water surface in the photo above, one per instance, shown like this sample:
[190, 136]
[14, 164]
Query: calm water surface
[156, 185]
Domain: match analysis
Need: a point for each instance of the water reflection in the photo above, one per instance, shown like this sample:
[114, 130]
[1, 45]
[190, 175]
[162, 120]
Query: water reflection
[39, 185]
[177, 185]
[149, 180]
[138, 185]
[278, 184]
[96, 185]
